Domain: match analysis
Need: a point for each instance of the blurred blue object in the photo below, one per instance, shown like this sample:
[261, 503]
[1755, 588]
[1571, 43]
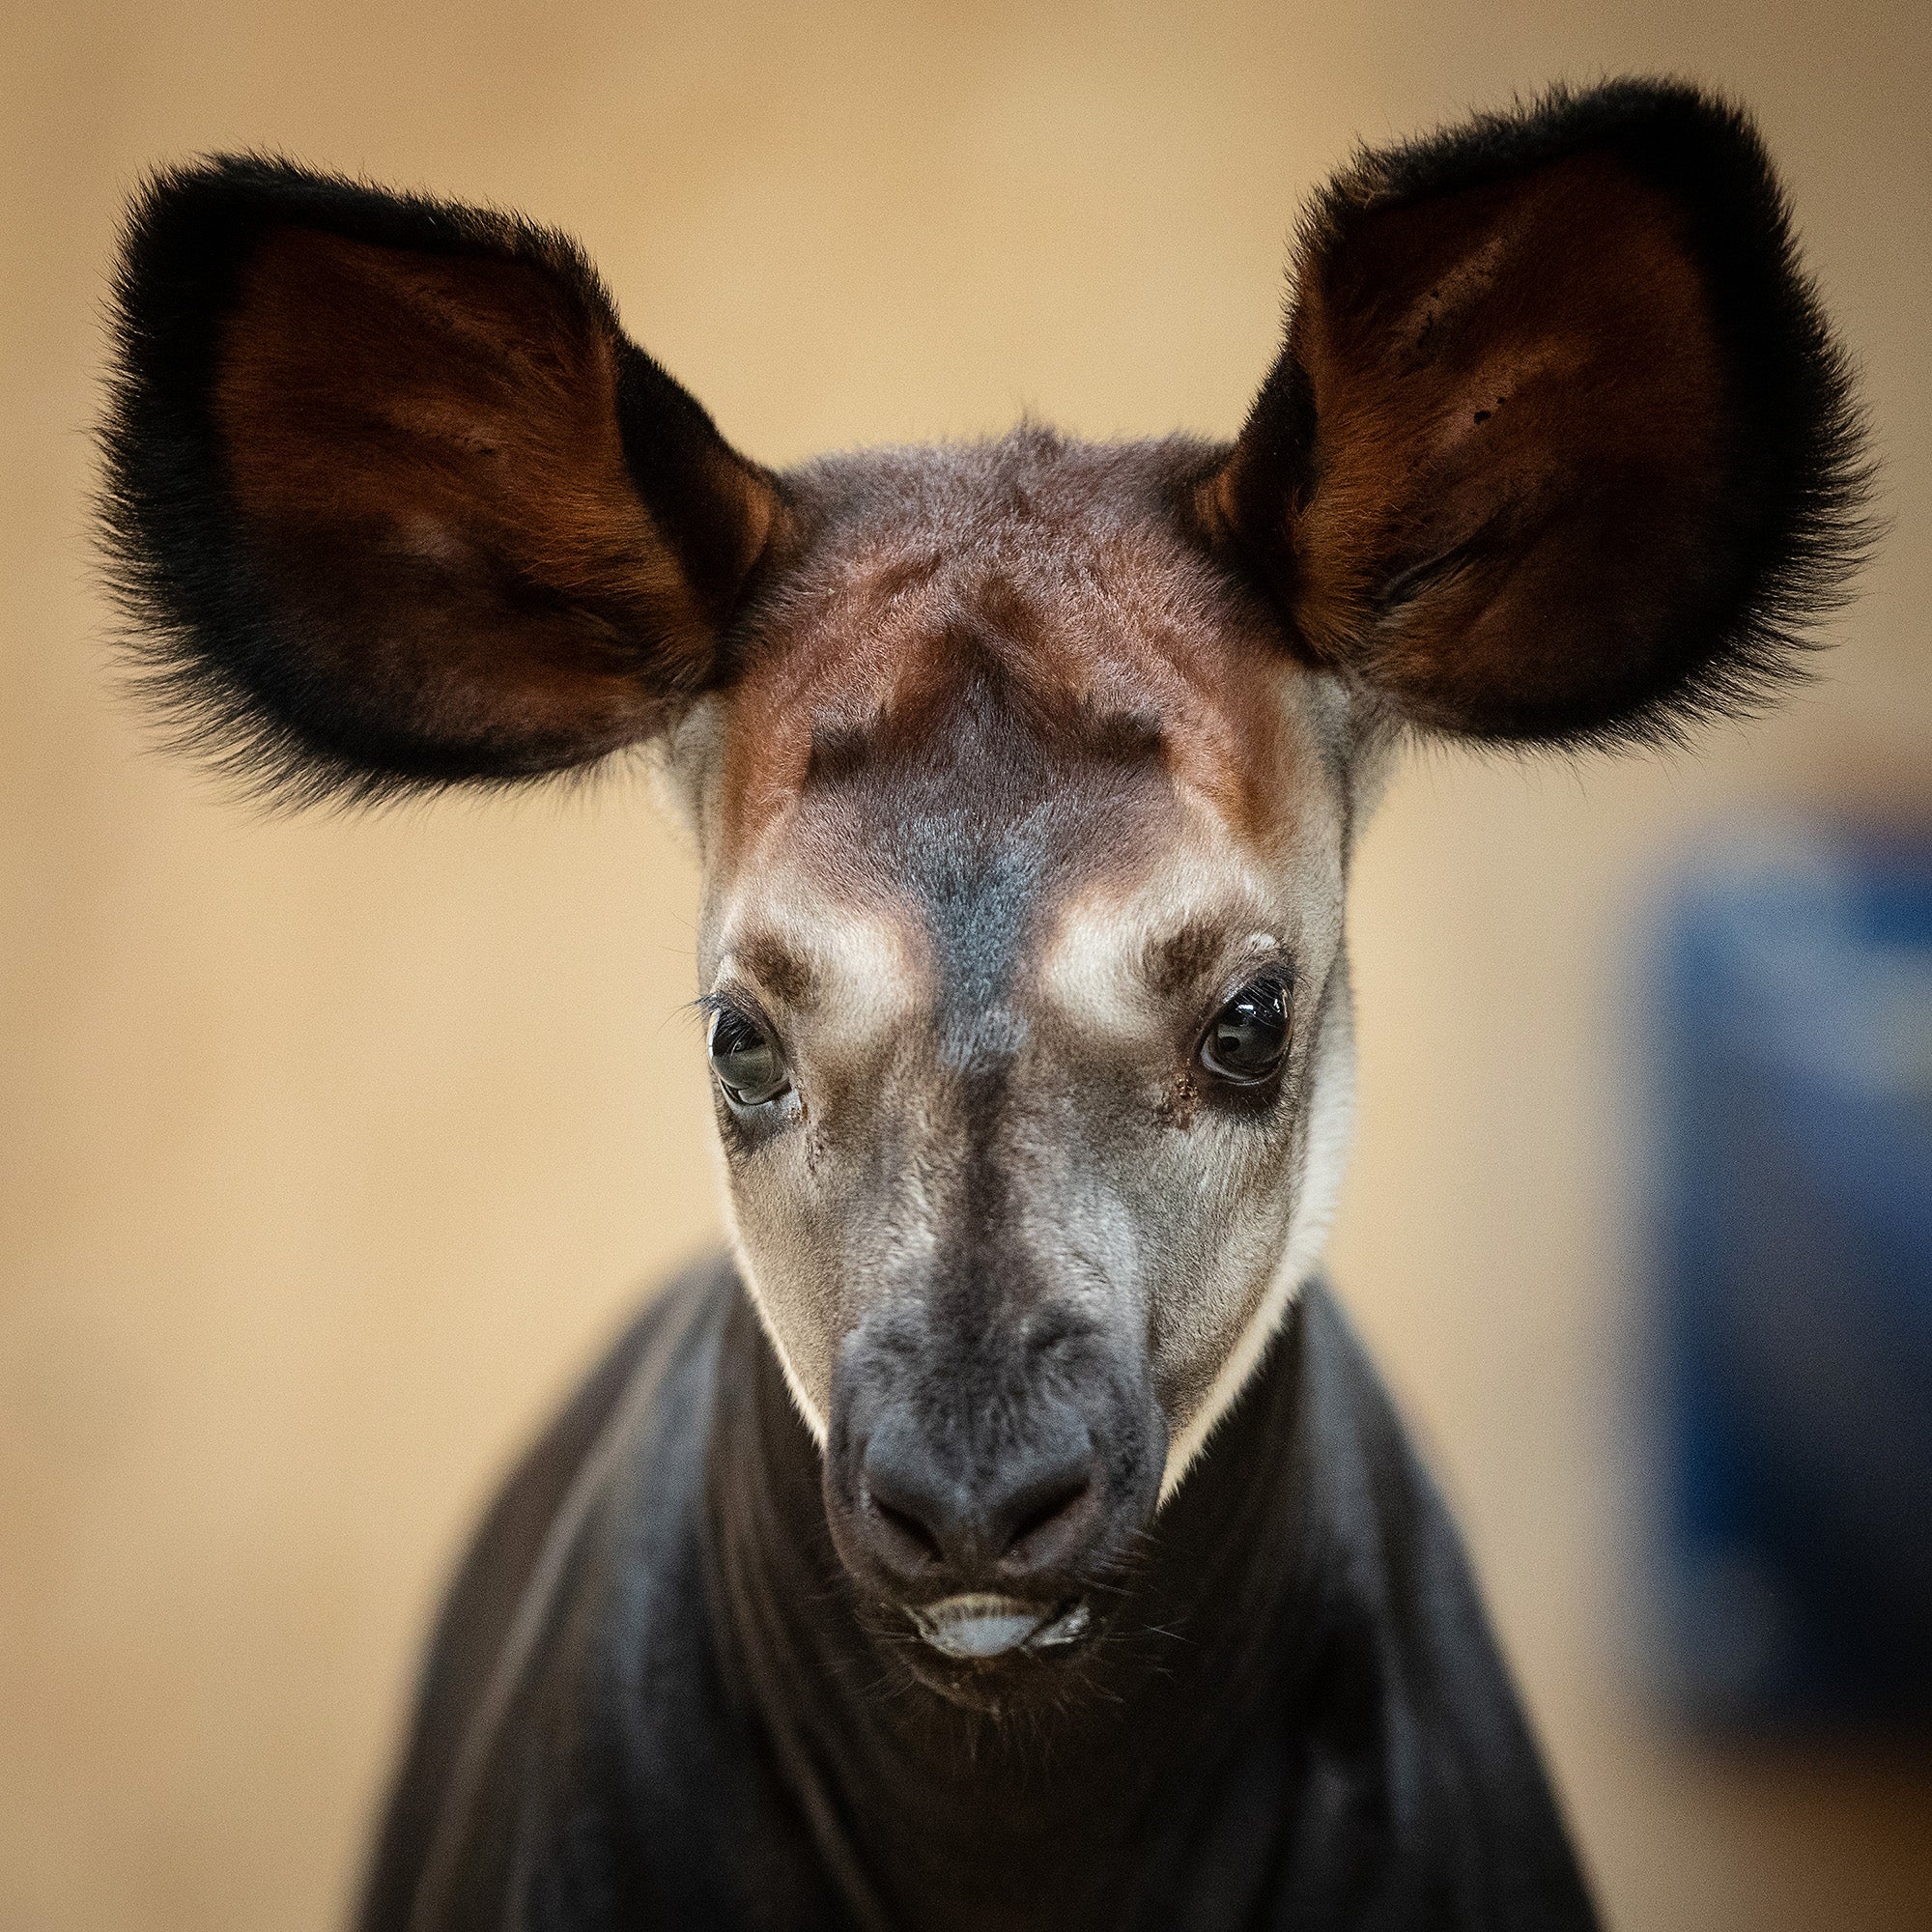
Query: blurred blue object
[1793, 1180]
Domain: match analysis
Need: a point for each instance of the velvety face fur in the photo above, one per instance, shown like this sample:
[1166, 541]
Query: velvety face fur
[1024, 774]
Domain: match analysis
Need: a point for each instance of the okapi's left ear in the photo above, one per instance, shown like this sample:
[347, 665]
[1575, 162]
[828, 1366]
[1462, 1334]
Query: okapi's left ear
[1559, 446]
[394, 499]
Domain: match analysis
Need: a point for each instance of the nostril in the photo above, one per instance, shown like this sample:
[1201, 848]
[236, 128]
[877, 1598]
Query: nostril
[1043, 1514]
[908, 1527]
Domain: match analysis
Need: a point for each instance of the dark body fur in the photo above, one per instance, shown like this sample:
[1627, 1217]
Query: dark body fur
[652, 1702]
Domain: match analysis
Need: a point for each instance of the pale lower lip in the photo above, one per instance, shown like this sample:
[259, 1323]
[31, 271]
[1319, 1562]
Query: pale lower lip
[975, 1628]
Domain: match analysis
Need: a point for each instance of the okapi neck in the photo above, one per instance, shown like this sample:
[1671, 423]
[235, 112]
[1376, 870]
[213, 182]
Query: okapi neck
[933, 1816]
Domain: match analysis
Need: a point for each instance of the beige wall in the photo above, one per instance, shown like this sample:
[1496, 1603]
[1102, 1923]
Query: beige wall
[332, 1147]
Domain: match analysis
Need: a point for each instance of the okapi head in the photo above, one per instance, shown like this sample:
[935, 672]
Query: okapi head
[1024, 775]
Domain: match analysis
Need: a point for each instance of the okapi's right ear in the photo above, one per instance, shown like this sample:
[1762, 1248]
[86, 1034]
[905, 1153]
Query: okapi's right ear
[394, 499]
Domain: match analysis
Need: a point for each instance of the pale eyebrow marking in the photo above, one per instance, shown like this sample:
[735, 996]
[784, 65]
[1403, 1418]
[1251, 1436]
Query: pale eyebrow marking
[855, 970]
[1136, 954]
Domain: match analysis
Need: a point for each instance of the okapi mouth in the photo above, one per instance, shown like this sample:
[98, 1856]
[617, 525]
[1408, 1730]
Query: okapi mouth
[976, 1627]
[983, 1492]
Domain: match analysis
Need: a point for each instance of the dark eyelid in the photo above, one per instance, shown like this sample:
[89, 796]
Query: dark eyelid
[740, 1004]
[1274, 968]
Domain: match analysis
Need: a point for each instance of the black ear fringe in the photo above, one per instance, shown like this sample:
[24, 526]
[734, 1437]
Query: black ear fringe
[204, 655]
[1805, 434]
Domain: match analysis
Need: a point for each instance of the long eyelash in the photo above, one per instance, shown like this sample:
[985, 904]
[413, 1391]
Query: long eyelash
[712, 1007]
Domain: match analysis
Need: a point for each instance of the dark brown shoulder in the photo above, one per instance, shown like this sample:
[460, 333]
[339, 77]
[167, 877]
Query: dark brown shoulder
[481, 1604]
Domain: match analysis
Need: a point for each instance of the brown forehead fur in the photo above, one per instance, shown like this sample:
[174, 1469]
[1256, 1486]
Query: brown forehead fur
[1064, 569]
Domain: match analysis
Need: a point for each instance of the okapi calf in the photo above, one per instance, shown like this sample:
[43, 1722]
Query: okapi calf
[1012, 1533]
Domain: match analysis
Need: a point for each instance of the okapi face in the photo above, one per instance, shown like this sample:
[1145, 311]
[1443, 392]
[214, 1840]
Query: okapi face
[1025, 839]
[1024, 774]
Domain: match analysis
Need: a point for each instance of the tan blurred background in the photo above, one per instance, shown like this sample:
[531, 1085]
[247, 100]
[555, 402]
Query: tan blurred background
[333, 1147]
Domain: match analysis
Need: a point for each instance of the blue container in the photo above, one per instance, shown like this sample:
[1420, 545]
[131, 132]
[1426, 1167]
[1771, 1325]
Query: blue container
[1794, 1235]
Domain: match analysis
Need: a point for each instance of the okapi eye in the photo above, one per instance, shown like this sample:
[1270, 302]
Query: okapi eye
[1246, 1040]
[746, 1058]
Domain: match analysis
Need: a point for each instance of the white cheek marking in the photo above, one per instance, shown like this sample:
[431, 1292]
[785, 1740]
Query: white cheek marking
[809, 1413]
[866, 982]
[1331, 1121]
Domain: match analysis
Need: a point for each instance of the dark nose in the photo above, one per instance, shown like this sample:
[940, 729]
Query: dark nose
[1034, 1508]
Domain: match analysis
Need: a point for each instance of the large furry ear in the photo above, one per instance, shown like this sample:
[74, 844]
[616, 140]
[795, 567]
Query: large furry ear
[392, 497]
[1559, 446]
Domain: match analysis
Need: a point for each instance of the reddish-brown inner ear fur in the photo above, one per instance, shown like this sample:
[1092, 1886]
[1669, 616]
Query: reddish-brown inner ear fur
[426, 453]
[1519, 457]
